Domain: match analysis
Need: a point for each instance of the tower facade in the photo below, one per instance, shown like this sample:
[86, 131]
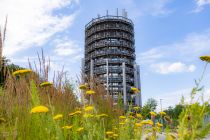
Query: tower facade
[110, 55]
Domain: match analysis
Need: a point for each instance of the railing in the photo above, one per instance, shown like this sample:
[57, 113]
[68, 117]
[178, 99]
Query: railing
[103, 62]
[118, 80]
[113, 52]
[112, 70]
[100, 29]
[109, 44]
[102, 36]
[109, 17]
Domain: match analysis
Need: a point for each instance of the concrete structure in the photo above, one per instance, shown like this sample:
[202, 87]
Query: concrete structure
[110, 55]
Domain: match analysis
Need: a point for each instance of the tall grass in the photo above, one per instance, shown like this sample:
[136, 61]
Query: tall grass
[65, 118]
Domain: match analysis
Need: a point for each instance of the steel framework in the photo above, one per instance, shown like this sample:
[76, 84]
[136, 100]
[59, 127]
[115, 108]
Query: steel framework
[110, 54]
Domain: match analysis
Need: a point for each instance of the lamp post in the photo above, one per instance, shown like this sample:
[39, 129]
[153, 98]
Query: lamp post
[161, 104]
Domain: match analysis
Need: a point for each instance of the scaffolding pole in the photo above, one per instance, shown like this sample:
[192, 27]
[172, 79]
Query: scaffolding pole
[124, 85]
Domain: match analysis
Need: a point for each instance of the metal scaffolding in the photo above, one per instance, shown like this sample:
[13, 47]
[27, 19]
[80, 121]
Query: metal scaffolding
[110, 53]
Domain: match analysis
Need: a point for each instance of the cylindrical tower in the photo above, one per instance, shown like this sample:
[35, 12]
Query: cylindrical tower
[109, 42]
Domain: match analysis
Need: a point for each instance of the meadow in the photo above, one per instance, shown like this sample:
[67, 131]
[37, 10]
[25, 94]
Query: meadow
[32, 108]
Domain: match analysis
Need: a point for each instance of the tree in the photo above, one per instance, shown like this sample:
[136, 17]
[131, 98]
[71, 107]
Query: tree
[5, 68]
[150, 105]
[174, 112]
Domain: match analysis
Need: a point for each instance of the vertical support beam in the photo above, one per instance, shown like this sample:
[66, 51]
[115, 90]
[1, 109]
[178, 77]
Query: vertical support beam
[91, 68]
[91, 78]
[137, 84]
[124, 85]
[107, 76]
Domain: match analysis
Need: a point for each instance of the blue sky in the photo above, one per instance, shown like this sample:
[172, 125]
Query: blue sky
[170, 36]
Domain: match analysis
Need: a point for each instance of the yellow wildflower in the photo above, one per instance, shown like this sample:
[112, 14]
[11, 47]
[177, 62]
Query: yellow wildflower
[159, 124]
[21, 72]
[82, 87]
[136, 108]
[67, 127]
[153, 113]
[121, 123]
[57, 117]
[90, 92]
[45, 84]
[39, 109]
[109, 133]
[138, 115]
[102, 115]
[75, 113]
[135, 90]
[147, 122]
[138, 124]
[122, 117]
[89, 108]
[115, 135]
[162, 113]
[80, 129]
[205, 58]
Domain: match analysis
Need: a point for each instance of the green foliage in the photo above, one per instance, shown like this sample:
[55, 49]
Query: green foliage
[149, 106]
[174, 112]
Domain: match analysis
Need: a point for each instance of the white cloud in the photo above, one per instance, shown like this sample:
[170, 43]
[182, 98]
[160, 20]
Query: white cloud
[200, 5]
[187, 51]
[176, 67]
[67, 48]
[33, 22]
[150, 56]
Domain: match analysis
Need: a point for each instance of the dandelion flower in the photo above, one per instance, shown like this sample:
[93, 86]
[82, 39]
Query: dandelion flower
[122, 117]
[80, 129]
[109, 133]
[39, 109]
[21, 72]
[75, 113]
[135, 90]
[89, 108]
[121, 123]
[90, 92]
[153, 113]
[162, 113]
[138, 124]
[67, 127]
[82, 87]
[159, 124]
[147, 122]
[205, 58]
[45, 84]
[138, 115]
[57, 117]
